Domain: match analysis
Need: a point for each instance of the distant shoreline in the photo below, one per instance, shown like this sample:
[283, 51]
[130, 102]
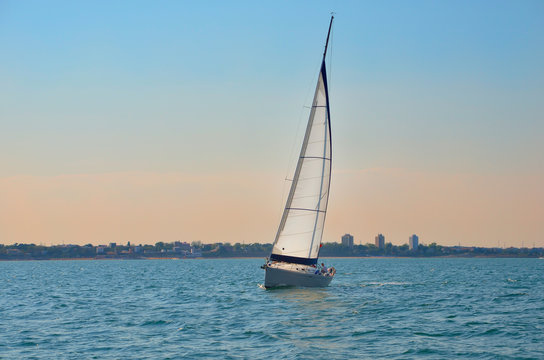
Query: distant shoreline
[254, 257]
[142, 258]
[184, 250]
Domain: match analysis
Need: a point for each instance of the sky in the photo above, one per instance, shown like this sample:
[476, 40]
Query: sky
[170, 121]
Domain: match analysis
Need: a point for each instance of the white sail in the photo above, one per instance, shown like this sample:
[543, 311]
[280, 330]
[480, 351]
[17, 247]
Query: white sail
[299, 235]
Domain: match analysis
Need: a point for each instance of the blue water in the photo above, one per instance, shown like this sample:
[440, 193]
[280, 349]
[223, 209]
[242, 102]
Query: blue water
[374, 308]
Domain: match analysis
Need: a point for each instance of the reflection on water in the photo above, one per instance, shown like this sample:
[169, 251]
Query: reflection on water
[302, 296]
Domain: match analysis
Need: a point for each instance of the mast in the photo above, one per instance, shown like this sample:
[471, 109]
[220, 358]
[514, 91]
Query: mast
[328, 35]
[324, 74]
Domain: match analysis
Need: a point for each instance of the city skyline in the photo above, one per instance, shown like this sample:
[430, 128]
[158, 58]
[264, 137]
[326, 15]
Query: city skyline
[179, 122]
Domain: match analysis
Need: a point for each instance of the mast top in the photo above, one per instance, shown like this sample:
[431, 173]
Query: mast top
[328, 35]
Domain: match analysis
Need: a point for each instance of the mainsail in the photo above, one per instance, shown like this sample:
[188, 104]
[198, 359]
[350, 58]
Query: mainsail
[301, 228]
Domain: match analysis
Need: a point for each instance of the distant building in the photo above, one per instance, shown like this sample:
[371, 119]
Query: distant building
[413, 242]
[113, 245]
[347, 240]
[100, 249]
[183, 246]
[195, 252]
[380, 241]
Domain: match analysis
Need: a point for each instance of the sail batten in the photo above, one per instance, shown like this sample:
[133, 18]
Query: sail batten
[315, 157]
[306, 209]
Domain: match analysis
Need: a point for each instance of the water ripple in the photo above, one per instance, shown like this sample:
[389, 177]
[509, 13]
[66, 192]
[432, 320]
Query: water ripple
[375, 308]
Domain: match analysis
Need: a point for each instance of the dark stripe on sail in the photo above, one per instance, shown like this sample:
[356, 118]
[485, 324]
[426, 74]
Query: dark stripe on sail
[293, 259]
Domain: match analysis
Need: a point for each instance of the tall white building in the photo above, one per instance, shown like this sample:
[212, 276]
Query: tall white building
[347, 240]
[413, 242]
[379, 241]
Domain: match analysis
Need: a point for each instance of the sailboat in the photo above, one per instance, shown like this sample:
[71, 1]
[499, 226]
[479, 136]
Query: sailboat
[295, 252]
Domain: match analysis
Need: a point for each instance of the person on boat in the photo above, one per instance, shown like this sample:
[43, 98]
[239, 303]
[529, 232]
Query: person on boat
[323, 268]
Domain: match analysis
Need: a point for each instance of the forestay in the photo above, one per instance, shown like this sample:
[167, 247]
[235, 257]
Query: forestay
[301, 228]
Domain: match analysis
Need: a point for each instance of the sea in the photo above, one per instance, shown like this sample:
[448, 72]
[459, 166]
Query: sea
[392, 308]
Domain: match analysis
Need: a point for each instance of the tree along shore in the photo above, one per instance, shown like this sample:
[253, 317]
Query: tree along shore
[226, 250]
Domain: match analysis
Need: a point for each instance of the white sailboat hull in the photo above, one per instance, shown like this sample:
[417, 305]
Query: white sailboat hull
[276, 277]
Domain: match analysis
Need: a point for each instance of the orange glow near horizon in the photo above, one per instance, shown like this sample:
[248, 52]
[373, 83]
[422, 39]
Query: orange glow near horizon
[478, 210]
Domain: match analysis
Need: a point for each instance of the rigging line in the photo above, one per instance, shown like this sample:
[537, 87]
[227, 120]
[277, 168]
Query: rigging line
[325, 194]
[304, 197]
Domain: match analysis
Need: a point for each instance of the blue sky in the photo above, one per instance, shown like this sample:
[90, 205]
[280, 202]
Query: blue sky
[458, 70]
[451, 87]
